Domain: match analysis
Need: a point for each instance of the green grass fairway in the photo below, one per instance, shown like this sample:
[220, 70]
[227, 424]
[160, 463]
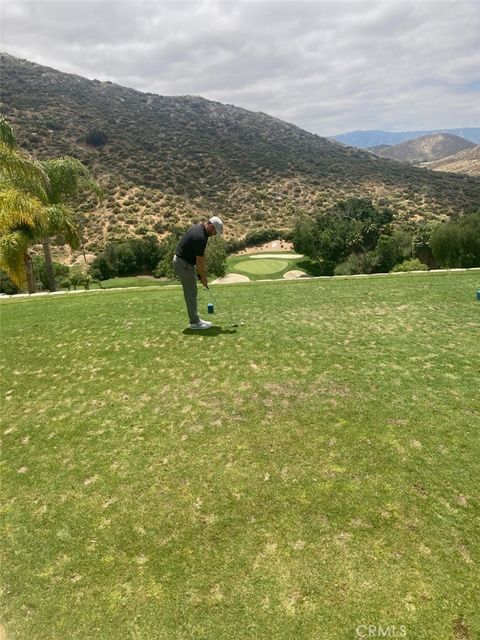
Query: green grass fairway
[133, 281]
[307, 475]
[257, 267]
[128, 281]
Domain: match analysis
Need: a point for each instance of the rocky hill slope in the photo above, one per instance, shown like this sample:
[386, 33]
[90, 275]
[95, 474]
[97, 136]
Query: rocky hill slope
[164, 161]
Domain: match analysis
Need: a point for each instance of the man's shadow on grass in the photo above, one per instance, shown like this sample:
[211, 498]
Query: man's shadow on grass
[212, 332]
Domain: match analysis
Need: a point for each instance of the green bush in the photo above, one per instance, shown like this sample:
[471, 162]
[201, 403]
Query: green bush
[457, 243]
[262, 235]
[53, 125]
[232, 246]
[127, 258]
[65, 283]
[6, 285]
[216, 258]
[76, 276]
[164, 267]
[142, 229]
[403, 239]
[410, 265]
[357, 263]
[59, 270]
[386, 253]
[96, 138]
[350, 226]
[421, 247]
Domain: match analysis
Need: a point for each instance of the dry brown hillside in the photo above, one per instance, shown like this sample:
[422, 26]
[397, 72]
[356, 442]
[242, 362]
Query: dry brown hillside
[426, 148]
[165, 161]
[467, 162]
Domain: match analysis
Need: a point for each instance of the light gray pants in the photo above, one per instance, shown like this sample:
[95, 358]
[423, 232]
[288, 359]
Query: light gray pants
[188, 278]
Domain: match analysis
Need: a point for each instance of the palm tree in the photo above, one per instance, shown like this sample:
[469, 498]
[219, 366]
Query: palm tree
[23, 185]
[67, 177]
[32, 206]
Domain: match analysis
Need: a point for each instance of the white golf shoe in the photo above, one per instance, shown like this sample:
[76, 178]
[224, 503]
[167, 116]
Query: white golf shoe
[201, 324]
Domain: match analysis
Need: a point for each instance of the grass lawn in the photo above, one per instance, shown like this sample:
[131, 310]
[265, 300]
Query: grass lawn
[128, 281]
[258, 267]
[132, 281]
[310, 472]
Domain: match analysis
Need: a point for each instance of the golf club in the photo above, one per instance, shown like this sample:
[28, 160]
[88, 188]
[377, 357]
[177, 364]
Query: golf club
[233, 324]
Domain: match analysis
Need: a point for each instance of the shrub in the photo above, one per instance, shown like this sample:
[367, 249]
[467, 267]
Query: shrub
[350, 226]
[76, 276]
[232, 246]
[6, 285]
[262, 235]
[410, 265]
[386, 253]
[164, 267]
[216, 257]
[127, 258]
[421, 248]
[404, 243]
[96, 138]
[59, 270]
[356, 263]
[457, 243]
[142, 229]
[65, 283]
[53, 125]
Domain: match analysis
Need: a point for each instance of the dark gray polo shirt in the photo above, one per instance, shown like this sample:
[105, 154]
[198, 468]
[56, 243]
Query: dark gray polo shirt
[192, 244]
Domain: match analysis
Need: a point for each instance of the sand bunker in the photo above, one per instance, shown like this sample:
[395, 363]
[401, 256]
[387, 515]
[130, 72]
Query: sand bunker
[291, 275]
[231, 277]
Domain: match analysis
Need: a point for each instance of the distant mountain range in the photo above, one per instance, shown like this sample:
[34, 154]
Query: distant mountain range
[168, 161]
[426, 148]
[369, 139]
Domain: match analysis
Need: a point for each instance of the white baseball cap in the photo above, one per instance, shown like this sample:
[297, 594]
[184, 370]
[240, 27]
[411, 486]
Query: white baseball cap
[218, 224]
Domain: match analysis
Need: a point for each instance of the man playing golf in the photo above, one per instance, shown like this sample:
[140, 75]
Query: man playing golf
[190, 255]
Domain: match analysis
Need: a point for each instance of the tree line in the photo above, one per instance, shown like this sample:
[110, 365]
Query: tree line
[151, 257]
[356, 236]
[119, 259]
[353, 236]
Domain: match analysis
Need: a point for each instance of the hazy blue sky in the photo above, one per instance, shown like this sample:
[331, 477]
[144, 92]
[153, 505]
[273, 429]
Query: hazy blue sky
[328, 67]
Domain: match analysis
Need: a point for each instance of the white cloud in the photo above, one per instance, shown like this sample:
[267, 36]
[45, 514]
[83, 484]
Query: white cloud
[325, 66]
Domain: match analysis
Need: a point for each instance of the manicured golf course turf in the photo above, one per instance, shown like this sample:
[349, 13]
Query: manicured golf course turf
[263, 266]
[310, 472]
[258, 266]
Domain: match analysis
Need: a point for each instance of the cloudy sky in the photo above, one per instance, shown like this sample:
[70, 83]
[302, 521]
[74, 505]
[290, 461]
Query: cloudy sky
[328, 67]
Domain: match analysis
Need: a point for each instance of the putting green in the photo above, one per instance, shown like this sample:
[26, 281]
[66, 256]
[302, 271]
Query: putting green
[264, 266]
